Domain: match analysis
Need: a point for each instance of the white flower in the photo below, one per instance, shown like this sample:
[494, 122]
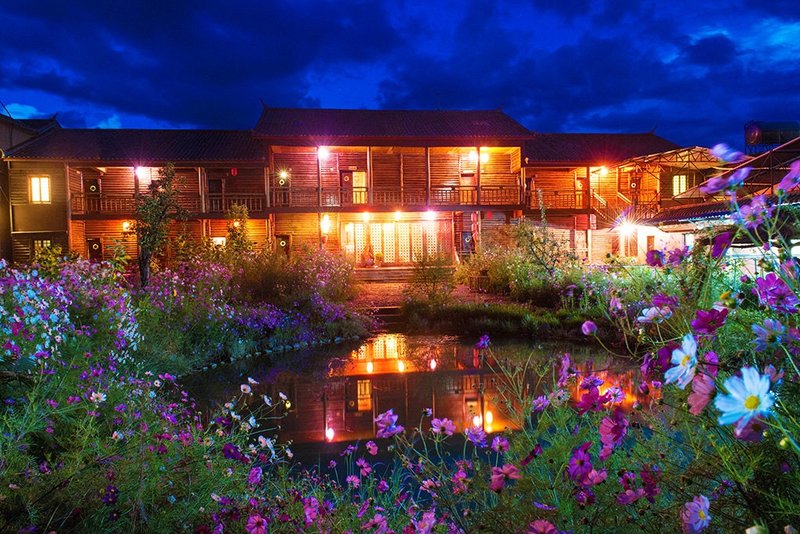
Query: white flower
[267, 401]
[654, 315]
[685, 361]
[251, 381]
[97, 397]
[246, 389]
[747, 397]
[289, 453]
[252, 422]
[282, 395]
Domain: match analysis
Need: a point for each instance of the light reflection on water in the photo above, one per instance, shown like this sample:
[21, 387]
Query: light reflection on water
[334, 393]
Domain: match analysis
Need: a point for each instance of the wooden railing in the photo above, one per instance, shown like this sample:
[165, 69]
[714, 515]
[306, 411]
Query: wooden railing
[312, 197]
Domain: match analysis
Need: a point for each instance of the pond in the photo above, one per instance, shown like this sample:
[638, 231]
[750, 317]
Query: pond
[334, 393]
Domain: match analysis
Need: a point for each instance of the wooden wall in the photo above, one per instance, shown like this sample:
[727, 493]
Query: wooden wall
[303, 229]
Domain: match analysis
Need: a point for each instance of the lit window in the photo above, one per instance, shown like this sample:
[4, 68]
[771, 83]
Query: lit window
[40, 189]
[679, 184]
[39, 245]
[218, 241]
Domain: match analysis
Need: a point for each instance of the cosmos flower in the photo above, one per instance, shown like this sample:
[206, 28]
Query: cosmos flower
[476, 435]
[654, 315]
[540, 403]
[387, 424]
[708, 321]
[589, 328]
[612, 431]
[791, 180]
[769, 335]
[702, 389]
[726, 182]
[720, 244]
[542, 526]
[499, 444]
[500, 475]
[372, 448]
[747, 397]
[580, 464]
[684, 360]
[727, 154]
[753, 215]
[694, 515]
[655, 258]
[772, 291]
[444, 425]
[256, 525]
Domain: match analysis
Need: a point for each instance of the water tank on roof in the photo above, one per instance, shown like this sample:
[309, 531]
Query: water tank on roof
[760, 136]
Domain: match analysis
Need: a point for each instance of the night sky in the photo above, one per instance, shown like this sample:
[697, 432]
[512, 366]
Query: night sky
[694, 71]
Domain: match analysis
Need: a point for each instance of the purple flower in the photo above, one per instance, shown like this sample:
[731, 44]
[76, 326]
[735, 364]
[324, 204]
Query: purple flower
[387, 424]
[654, 258]
[580, 464]
[612, 431]
[540, 403]
[708, 321]
[769, 335]
[677, 255]
[254, 478]
[727, 154]
[592, 401]
[694, 515]
[476, 435]
[589, 328]
[772, 291]
[499, 444]
[720, 244]
[791, 180]
[446, 426]
[660, 300]
[753, 214]
[483, 342]
[725, 182]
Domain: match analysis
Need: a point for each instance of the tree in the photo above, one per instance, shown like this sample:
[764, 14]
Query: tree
[154, 211]
[238, 239]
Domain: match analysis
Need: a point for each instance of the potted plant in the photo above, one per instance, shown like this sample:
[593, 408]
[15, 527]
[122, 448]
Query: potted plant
[379, 259]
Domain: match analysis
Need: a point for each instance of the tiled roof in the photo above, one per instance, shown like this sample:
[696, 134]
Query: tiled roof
[142, 146]
[40, 125]
[592, 148]
[709, 210]
[317, 125]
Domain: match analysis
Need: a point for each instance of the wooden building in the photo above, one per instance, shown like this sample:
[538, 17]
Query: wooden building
[380, 187]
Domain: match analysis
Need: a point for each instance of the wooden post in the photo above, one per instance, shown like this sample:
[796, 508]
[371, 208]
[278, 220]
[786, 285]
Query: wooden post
[370, 183]
[319, 180]
[201, 189]
[427, 176]
[478, 175]
[268, 172]
[69, 206]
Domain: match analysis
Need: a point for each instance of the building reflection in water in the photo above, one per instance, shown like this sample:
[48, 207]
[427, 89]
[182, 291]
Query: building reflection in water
[408, 374]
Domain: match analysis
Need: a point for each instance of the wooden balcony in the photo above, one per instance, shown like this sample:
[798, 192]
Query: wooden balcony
[310, 199]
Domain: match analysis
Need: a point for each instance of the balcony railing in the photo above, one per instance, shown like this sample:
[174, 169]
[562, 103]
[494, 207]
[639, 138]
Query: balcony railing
[312, 197]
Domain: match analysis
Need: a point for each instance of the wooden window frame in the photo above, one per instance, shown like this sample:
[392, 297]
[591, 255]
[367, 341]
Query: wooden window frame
[37, 190]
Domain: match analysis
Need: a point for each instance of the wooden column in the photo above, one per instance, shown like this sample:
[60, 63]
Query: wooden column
[370, 183]
[427, 176]
[69, 205]
[319, 180]
[201, 189]
[268, 172]
[478, 175]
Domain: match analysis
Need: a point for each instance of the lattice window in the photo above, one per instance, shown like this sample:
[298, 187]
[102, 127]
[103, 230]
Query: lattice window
[403, 243]
[389, 236]
[364, 388]
[417, 242]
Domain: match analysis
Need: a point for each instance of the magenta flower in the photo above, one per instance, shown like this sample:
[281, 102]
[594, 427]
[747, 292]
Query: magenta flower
[702, 389]
[694, 515]
[310, 509]
[387, 424]
[708, 321]
[372, 448]
[500, 475]
[534, 453]
[499, 444]
[580, 464]
[353, 480]
[540, 403]
[541, 526]
[592, 401]
[727, 154]
[444, 425]
[726, 182]
[677, 255]
[483, 342]
[591, 381]
[772, 291]
[256, 525]
[589, 328]
[563, 373]
[612, 431]
[654, 258]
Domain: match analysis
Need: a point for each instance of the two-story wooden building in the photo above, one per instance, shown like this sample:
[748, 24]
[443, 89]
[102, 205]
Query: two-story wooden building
[377, 186]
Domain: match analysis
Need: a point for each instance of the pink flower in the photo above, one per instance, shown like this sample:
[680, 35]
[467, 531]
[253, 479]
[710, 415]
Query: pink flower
[476, 435]
[365, 467]
[256, 525]
[387, 424]
[353, 481]
[426, 523]
[592, 401]
[540, 526]
[310, 509]
[378, 522]
[720, 244]
[372, 448]
[540, 403]
[499, 444]
[694, 515]
[446, 426]
[612, 431]
[501, 474]
[702, 389]
[654, 258]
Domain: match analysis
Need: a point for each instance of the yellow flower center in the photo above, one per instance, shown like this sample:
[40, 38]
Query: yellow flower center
[752, 402]
[701, 514]
[685, 360]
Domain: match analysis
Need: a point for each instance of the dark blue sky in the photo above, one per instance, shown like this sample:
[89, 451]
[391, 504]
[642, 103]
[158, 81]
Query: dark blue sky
[694, 71]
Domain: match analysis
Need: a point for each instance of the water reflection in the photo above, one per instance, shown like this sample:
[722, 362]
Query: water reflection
[334, 394]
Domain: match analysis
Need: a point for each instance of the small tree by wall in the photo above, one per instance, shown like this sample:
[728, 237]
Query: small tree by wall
[238, 240]
[154, 211]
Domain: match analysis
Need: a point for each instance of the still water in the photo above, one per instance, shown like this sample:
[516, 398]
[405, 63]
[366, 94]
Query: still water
[334, 393]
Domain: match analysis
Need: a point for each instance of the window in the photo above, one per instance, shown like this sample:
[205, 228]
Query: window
[39, 245]
[40, 189]
[679, 184]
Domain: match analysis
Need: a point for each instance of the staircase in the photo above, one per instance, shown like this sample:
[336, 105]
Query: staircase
[389, 318]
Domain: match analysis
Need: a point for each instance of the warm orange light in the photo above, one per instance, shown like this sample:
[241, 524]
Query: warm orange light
[484, 154]
[430, 215]
[477, 421]
[401, 367]
[329, 433]
[141, 172]
[126, 226]
[325, 224]
[398, 215]
[283, 174]
[603, 171]
[473, 156]
[489, 417]
[433, 364]
[323, 153]
[370, 367]
[627, 229]
[237, 224]
[365, 216]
